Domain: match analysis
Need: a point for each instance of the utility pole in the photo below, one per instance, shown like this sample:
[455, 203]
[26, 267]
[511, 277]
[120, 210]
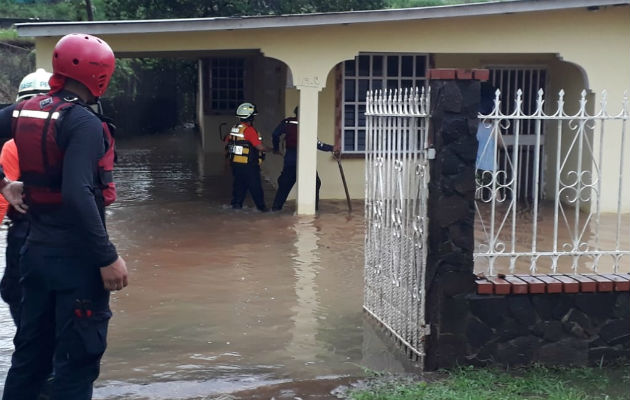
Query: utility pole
[88, 8]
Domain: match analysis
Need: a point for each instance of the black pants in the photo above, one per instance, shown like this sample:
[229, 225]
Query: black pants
[247, 177]
[286, 180]
[63, 325]
[10, 289]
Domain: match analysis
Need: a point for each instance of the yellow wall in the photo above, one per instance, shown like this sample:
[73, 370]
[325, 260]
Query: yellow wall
[598, 41]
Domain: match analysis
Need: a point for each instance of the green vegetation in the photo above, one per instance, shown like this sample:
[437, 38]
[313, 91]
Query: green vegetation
[147, 9]
[75, 10]
[536, 382]
[8, 35]
[430, 3]
[16, 60]
[65, 10]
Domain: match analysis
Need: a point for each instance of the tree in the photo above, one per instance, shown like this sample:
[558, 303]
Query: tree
[89, 10]
[428, 3]
[62, 10]
[157, 9]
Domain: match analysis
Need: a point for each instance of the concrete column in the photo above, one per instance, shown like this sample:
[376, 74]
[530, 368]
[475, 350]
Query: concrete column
[307, 149]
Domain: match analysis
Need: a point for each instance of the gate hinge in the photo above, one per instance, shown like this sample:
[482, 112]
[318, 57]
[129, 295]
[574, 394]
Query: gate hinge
[431, 153]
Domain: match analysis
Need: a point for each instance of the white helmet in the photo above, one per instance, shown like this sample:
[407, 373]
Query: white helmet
[246, 110]
[33, 84]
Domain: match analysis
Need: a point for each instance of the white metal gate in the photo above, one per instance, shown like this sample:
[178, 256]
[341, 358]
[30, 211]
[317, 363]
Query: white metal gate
[584, 226]
[396, 213]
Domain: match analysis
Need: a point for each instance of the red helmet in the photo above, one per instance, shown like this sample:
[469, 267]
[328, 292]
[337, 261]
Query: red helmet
[86, 59]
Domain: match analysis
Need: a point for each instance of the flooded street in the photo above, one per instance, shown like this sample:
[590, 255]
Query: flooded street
[222, 301]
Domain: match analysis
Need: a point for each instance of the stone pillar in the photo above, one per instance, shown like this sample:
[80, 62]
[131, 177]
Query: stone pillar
[307, 149]
[455, 96]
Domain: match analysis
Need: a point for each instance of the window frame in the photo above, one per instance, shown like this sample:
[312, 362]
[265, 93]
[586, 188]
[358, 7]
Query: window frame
[235, 92]
[418, 77]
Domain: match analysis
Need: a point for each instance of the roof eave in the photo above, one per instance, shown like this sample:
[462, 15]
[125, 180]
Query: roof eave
[304, 20]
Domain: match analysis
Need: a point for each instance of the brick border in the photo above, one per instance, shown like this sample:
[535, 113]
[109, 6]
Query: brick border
[552, 283]
[459, 74]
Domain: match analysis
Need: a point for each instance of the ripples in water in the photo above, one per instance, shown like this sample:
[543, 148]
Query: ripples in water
[221, 300]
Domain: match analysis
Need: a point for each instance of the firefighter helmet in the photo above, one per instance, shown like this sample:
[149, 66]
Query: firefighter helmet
[33, 84]
[86, 59]
[246, 111]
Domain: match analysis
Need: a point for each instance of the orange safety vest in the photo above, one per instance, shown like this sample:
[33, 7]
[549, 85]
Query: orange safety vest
[240, 150]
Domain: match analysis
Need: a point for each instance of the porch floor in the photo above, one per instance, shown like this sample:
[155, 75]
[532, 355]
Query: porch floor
[597, 240]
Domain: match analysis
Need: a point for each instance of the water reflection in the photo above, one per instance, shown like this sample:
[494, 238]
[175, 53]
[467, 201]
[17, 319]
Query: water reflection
[303, 344]
[219, 300]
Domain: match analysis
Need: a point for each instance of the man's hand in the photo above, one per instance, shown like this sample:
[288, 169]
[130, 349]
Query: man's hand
[115, 275]
[12, 191]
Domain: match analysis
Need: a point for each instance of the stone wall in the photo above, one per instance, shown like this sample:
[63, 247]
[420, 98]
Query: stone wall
[558, 328]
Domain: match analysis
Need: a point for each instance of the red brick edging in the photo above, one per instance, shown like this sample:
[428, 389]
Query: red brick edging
[553, 283]
[459, 73]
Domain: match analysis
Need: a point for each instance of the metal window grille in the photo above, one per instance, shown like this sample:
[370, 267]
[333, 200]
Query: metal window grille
[568, 233]
[227, 83]
[371, 72]
[396, 214]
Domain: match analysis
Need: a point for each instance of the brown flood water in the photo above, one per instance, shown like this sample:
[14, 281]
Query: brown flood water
[224, 301]
[230, 304]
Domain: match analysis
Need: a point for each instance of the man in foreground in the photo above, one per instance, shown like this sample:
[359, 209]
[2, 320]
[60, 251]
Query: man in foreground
[68, 263]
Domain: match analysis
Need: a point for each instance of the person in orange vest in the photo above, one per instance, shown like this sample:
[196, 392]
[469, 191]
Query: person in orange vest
[246, 153]
[16, 235]
[31, 85]
[9, 162]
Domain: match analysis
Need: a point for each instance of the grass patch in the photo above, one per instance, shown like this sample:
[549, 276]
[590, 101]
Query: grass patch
[533, 383]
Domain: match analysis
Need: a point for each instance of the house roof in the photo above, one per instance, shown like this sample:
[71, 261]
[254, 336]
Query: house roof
[306, 20]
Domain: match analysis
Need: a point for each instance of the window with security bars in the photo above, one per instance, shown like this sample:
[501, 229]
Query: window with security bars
[374, 71]
[226, 84]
